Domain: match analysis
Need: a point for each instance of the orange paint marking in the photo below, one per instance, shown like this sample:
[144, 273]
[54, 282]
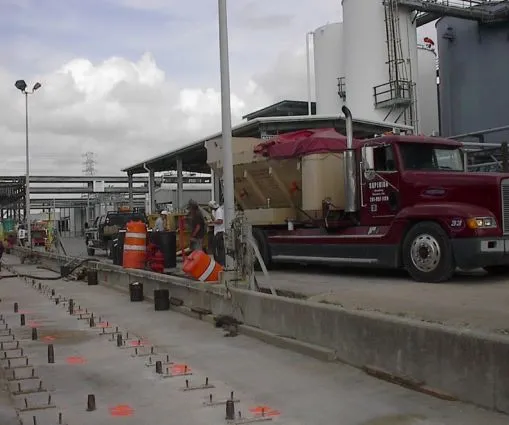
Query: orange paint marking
[264, 411]
[34, 324]
[75, 360]
[103, 325]
[49, 338]
[24, 312]
[121, 410]
[180, 369]
[138, 343]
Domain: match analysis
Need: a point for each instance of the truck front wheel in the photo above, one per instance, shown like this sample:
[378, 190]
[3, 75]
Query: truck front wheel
[427, 253]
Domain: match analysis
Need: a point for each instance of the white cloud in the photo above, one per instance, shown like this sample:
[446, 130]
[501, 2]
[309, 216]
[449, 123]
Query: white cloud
[123, 111]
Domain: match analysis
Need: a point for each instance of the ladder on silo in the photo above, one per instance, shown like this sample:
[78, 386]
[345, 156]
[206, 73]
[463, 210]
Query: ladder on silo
[402, 90]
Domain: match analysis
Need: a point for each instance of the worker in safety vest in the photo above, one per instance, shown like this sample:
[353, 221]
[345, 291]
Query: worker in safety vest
[218, 222]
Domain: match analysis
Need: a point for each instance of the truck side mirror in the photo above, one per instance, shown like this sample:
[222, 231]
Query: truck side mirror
[368, 158]
[368, 162]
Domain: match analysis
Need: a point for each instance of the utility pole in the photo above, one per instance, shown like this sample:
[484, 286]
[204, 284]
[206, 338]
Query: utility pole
[226, 115]
[21, 85]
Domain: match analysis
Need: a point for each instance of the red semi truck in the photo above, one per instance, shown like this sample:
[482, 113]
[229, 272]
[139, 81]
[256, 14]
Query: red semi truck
[394, 201]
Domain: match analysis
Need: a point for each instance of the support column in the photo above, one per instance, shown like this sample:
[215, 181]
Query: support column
[152, 191]
[130, 190]
[216, 187]
[180, 185]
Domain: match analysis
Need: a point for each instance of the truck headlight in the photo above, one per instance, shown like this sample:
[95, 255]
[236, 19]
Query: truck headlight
[481, 223]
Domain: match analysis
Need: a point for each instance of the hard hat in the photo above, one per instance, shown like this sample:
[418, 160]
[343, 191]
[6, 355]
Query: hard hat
[213, 205]
[164, 212]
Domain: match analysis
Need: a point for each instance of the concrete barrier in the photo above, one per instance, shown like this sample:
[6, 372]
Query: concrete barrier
[452, 363]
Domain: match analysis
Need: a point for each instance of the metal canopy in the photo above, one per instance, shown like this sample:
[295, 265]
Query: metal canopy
[194, 156]
[283, 108]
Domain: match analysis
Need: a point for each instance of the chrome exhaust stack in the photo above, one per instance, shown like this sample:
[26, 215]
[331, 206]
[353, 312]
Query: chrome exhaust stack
[351, 189]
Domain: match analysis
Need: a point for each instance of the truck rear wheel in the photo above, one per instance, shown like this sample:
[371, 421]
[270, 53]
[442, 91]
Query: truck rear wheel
[90, 252]
[427, 253]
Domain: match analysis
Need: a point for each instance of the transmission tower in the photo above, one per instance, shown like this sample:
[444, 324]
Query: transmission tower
[89, 162]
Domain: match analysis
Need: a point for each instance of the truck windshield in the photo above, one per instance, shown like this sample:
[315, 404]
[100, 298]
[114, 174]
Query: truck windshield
[431, 157]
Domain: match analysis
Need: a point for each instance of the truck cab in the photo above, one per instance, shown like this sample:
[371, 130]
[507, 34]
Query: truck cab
[416, 190]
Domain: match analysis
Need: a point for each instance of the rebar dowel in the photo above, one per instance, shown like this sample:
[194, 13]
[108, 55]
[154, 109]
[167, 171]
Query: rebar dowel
[51, 354]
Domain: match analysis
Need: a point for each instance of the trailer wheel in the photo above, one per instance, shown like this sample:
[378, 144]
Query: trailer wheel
[427, 253]
[263, 247]
[90, 252]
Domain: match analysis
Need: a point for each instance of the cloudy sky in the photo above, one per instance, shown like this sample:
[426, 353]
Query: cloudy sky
[129, 79]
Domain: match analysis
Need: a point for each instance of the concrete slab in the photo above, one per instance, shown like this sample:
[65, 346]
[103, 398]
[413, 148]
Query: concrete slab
[303, 390]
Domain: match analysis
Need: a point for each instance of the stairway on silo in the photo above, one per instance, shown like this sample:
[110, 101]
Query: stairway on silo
[484, 11]
[397, 96]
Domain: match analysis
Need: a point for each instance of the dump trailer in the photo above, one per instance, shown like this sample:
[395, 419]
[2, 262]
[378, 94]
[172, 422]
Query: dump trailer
[394, 201]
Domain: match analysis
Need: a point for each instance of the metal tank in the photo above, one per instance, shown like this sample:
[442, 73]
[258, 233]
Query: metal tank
[328, 60]
[474, 88]
[365, 33]
[427, 91]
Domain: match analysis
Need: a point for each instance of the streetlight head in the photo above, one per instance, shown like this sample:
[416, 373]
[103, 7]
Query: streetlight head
[37, 86]
[21, 85]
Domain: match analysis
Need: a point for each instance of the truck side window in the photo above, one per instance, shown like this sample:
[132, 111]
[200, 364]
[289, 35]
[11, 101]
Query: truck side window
[384, 158]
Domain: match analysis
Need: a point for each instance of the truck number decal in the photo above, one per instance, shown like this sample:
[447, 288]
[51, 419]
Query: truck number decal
[457, 224]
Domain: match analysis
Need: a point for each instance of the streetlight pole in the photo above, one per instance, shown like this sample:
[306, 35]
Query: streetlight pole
[22, 86]
[229, 204]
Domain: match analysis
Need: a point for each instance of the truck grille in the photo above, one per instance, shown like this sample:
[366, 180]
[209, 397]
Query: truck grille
[504, 189]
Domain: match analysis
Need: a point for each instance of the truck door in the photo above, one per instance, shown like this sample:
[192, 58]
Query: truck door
[380, 183]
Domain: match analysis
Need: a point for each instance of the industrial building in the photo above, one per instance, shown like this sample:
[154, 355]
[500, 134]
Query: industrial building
[474, 64]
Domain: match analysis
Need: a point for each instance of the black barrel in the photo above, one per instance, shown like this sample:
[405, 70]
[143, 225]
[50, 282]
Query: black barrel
[92, 277]
[161, 299]
[136, 291]
[65, 270]
[167, 243]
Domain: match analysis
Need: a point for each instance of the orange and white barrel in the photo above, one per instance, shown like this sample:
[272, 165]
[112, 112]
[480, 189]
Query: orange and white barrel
[135, 245]
[202, 267]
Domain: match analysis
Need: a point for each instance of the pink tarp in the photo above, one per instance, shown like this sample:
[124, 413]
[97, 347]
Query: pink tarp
[304, 142]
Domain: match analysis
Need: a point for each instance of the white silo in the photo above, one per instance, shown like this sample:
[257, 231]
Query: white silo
[427, 91]
[370, 28]
[328, 60]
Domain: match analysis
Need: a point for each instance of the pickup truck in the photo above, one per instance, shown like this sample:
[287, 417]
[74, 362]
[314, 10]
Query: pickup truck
[105, 228]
